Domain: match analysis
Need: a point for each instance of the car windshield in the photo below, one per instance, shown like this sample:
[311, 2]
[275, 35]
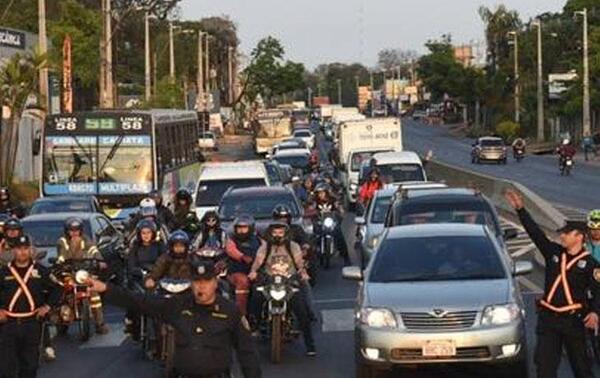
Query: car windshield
[295, 161]
[302, 134]
[437, 259]
[47, 233]
[207, 136]
[475, 212]
[59, 206]
[380, 209]
[401, 173]
[492, 143]
[358, 158]
[260, 207]
[273, 173]
[210, 192]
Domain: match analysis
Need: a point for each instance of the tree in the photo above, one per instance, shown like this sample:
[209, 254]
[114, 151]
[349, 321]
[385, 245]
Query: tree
[390, 59]
[498, 23]
[18, 80]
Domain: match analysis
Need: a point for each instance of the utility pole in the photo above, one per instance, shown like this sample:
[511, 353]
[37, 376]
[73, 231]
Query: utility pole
[515, 36]
[43, 43]
[372, 84]
[339, 88]
[200, 76]
[171, 54]
[385, 109]
[587, 128]
[540, 83]
[309, 97]
[207, 62]
[147, 73]
[108, 70]
[230, 75]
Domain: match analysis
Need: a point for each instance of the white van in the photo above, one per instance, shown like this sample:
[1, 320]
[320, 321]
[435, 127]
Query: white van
[401, 166]
[216, 178]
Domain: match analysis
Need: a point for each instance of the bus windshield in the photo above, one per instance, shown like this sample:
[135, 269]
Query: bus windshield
[124, 164]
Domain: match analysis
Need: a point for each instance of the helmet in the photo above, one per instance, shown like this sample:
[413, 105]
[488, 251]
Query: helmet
[593, 220]
[73, 224]
[4, 194]
[278, 225]
[210, 215]
[565, 142]
[179, 237]
[13, 224]
[146, 223]
[148, 211]
[183, 195]
[322, 187]
[282, 211]
[147, 202]
[243, 220]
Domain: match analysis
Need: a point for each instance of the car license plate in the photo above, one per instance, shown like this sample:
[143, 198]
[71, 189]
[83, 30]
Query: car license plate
[439, 349]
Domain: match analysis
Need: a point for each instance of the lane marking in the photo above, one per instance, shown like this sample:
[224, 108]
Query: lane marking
[523, 251]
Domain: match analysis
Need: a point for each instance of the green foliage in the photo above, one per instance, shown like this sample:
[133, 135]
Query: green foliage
[508, 129]
[168, 95]
[325, 78]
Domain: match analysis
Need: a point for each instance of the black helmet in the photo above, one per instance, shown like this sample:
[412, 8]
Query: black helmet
[73, 223]
[243, 220]
[146, 223]
[322, 187]
[13, 224]
[278, 225]
[179, 237]
[183, 195]
[282, 212]
[156, 196]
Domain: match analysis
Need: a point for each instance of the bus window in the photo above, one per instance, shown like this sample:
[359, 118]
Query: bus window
[69, 159]
[125, 161]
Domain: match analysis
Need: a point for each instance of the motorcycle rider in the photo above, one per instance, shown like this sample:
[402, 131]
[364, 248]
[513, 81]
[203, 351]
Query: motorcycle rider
[173, 264]
[368, 188]
[299, 189]
[325, 202]
[164, 216]
[593, 240]
[74, 245]
[518, 144]
[13, 230]
[185, 219]
[565, 150]
[27, 294]
[241, 249]
[143, 254]
[280, 255]
[211, 234]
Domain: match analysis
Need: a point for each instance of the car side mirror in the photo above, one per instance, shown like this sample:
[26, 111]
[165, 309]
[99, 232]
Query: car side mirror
[353, 273]
[360, 221]
[104, 240]
[510, 233]
[522, 268]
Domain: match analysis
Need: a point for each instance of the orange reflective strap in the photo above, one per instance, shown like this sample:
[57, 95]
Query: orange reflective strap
[23, 289]
[563, 279]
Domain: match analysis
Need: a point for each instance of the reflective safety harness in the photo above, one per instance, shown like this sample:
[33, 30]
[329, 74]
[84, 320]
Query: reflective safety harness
[23, 290]
[90, 253]
[563, 279]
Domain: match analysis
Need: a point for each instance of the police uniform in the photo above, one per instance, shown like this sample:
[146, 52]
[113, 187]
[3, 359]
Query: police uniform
[23, 290]
[205, 335]
[565, 303]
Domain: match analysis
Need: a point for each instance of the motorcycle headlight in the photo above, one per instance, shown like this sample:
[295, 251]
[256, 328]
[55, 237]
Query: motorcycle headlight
[500, 314]
[277, 294]
[81, 276]
[329, 223]
[378, 318]
[278, 280]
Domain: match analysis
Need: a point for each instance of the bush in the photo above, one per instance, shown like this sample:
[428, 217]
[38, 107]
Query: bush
[508, 129]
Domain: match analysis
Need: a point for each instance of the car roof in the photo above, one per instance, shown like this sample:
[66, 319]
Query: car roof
[64, 198]
[427, 230]
[406, 157]
[258, 191]
[49, 217]
[292, 152]
[490, 138]
[232, 170]
[444, 195]
[302, 130]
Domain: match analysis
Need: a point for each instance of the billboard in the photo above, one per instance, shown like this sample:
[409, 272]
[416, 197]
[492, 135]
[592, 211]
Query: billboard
[12, 38]
[559, 83]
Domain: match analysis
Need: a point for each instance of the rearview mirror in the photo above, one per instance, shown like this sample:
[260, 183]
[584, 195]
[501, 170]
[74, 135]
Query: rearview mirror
[360, 221]
[353, 273]
[522, 268]
[510, 233]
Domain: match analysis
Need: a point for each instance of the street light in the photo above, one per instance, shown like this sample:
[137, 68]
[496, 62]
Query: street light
[586, 75]
[540, 83]
[515, 37]
[147, 73]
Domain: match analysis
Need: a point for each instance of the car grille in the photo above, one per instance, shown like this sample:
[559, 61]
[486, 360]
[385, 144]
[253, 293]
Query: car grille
[450, 321]
[401, 354]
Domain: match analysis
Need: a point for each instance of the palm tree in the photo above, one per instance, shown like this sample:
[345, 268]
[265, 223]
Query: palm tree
[18, 80]
[498, 23]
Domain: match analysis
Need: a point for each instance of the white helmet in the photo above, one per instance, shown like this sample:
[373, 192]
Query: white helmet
[565, 142]
[147, 202]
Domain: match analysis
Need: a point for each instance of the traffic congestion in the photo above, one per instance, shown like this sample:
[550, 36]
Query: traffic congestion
[232, 265]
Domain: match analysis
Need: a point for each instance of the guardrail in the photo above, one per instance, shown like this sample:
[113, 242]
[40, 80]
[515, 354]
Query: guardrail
[547, 216]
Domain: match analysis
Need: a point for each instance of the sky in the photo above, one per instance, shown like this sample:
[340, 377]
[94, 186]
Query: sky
[325, 31]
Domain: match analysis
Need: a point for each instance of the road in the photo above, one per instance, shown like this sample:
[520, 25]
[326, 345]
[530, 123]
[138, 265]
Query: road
[539, 173]
[115, 356]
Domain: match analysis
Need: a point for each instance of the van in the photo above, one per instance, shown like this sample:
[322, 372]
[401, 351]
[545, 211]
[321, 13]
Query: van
[398, 167]
[216, 178]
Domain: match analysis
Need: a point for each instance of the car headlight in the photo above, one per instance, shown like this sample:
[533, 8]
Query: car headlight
[373, 241]
[81, 276]
[378, 318]
[500, 314]
[277, 294]
[329, 223]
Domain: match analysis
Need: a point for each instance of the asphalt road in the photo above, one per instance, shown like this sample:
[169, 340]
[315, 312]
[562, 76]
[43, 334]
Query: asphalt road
[113, 355]
[539, 173]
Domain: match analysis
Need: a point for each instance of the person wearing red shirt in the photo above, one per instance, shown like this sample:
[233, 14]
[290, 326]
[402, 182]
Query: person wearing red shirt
[369, 187]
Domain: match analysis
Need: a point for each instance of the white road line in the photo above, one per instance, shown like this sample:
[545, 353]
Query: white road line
[522, 251]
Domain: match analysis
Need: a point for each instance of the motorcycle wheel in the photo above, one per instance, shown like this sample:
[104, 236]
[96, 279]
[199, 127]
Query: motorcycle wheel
[170, 354]
[276, 338]
[144, 337]
[84, 324]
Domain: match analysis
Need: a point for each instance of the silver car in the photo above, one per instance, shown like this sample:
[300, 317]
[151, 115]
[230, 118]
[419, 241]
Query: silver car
[439, 293]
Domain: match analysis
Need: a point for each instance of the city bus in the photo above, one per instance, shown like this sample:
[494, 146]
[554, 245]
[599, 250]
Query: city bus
[119, 156]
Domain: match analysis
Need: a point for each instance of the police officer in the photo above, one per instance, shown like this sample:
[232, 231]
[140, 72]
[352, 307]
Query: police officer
[26, 295]
[13, 230]
[565, 310]
[208, 328]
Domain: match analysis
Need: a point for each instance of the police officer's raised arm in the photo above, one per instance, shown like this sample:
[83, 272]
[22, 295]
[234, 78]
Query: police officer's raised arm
[244, 347]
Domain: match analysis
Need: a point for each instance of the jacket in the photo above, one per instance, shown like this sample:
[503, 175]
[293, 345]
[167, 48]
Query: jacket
[236, 250]
[85, 250]
[141, 256]
[167, 266]
[368, 189]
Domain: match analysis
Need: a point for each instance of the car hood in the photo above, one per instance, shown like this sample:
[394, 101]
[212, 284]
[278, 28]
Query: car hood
[50, 253]
[447, 295]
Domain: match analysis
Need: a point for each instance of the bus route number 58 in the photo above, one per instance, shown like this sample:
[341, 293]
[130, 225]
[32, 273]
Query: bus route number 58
[131, 123]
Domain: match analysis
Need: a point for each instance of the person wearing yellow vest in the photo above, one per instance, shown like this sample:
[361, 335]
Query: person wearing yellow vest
[566, 308]
[26, 296]
[75, 246]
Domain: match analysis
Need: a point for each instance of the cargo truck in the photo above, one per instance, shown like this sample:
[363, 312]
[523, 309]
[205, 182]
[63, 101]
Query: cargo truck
[270, 128]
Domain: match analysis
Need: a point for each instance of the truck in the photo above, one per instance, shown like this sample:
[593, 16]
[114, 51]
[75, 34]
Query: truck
[358, 141]
[270, 128]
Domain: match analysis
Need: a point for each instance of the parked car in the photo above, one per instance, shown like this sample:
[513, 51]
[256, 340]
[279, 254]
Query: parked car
[446, 205]
[65, 204]
[208, 141]
[46, 229]
[260, 202]
[440, 294]
[489, 149]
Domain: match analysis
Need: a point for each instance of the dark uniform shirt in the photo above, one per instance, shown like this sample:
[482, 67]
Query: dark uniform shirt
[43, 290]
[169, 267]
[144, 256]
[205, 336]
[582, 277]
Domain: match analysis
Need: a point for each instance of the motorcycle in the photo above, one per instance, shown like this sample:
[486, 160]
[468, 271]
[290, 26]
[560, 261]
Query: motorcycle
[519, 154]
[72, 275]
[277, 313]
[143, 325]
[168, 288]
[218, 258]
[326, 226]
[566, 165]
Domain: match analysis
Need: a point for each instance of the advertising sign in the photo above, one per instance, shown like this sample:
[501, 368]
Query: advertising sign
[11, 38]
